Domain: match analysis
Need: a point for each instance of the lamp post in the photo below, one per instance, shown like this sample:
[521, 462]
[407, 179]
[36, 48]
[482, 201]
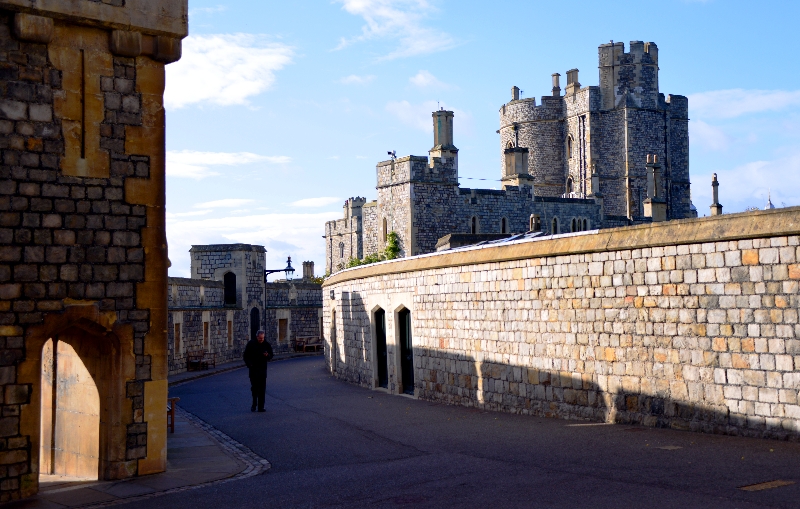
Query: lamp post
[289, 270]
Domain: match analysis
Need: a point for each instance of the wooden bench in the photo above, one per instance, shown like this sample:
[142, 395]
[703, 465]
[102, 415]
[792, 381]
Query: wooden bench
[171, 413]
[200, 360]
[310, 344]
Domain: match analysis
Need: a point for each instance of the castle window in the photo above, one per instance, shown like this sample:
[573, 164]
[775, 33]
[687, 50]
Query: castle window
[504, 225]
[585, 225]
[535, 223]
[341, 249]
[385, 230]
[177, 350]
[509, 145]
[474, 225]
[569, 147]
[554, 230]
[230, 288]
[574, 226]
[569, 185]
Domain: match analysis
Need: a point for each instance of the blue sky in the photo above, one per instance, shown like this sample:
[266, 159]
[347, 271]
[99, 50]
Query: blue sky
[279, 111]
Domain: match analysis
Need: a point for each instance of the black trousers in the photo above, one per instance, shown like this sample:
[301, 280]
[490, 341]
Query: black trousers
[258, 386]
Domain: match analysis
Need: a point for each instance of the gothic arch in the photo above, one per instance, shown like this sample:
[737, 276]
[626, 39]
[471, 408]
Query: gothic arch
[106, 350]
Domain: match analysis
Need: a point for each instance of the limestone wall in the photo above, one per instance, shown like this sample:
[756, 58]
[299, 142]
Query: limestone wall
[82, 238]
[688, 324]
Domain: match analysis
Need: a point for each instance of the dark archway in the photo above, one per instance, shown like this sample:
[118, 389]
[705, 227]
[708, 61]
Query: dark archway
[230, 288]
[381, 352]
[406, 351]
[255, 322]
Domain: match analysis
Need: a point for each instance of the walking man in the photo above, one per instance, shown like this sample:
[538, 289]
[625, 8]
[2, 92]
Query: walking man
[257, 354]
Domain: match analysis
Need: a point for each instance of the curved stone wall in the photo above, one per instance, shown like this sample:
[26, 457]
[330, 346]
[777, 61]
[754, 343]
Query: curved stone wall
[688, 324]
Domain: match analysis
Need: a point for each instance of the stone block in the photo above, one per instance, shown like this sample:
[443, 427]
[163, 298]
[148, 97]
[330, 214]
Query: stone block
[28, 27]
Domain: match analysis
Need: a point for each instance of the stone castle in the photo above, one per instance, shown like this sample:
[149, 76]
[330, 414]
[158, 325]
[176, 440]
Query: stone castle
[597, 157]
[227, 300]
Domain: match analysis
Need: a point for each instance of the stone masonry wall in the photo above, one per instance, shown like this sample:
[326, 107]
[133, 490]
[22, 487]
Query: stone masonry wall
[68, 234]
[693, 327]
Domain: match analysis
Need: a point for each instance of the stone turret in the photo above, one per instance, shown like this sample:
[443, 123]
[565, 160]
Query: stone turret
[629, 79]
[443, 147]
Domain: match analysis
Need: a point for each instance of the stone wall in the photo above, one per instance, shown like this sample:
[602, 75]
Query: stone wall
[82, 239]
[688, 324]
[300, 304]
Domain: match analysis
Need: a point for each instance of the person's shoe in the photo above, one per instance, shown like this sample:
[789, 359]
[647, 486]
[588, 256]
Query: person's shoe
[261, 410]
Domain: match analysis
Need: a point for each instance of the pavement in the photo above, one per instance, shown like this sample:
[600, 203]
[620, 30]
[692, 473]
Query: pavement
[331, 444]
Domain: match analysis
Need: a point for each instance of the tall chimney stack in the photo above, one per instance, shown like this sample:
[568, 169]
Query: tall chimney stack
[716, 208]
[308, 270]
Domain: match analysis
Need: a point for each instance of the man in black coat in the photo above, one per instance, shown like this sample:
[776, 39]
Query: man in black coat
[257, 354]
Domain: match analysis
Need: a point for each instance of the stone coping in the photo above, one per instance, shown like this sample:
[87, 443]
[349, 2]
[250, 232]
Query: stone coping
[165, 17]
[227, 247]
[744, 225]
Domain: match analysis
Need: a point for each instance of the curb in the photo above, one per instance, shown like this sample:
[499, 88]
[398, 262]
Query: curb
[254, 464]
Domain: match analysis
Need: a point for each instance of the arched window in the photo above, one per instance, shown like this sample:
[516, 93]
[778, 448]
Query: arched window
[535, 223]
[341, 249]
[504, 225]
[574, 226]
[230, 288]
[554, 230]
[586, 225]
[510, 144]
[474, 225]
[569, 147]
[569, 185]
[385, 230]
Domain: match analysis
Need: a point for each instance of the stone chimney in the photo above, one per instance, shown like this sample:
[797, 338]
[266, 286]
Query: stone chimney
[556, 85]
[572, 82]
[308, 270]
[443, 138]
[716, 208]
[655, 206]
[515, 93]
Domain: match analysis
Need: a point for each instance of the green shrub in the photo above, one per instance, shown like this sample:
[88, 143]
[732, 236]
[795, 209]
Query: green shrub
[390, 252]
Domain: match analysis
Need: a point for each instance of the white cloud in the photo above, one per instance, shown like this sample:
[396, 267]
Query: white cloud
[296, 235]
[226, 203]
[419, 115]
[402, 20]
[195, 164]
[171, 215]
[748, 184]
[357, 80]
[737, 102]
[315, 202]
[707, 136]
[207, 10]
[224, 69]
[425, 79]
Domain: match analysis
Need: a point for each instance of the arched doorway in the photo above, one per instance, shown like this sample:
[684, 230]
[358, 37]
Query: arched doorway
[381, 352]
[79, 393]
[255, 322]
[70, 416]
[406, 351]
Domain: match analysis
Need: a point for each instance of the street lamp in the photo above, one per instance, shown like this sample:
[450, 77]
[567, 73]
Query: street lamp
[289, 270]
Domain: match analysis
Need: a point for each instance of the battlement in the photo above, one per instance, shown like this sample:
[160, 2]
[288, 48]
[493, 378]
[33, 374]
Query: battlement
[629, 79]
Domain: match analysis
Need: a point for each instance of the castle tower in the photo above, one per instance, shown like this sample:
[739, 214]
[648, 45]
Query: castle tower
[629, 79]
[443, 147]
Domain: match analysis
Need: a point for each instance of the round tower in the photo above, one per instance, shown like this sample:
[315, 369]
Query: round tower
[540, 129]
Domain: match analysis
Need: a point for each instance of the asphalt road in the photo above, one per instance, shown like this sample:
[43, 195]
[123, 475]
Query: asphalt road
[332, 444]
